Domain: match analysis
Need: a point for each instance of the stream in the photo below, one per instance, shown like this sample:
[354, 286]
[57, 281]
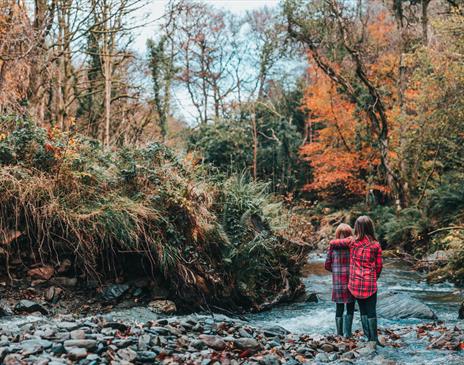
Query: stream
[314, 319]
[318, 318]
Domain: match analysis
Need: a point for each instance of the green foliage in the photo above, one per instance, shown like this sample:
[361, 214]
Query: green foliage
[396, 228]
[247, 211]
[227, 145]
[224, 145]
[408, 226]
[447, 200]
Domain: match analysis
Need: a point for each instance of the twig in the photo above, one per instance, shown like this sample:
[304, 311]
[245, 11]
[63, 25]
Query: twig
[459, 228]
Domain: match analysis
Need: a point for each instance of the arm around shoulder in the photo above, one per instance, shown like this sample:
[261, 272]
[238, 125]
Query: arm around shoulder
[328, 260]
[341, 243]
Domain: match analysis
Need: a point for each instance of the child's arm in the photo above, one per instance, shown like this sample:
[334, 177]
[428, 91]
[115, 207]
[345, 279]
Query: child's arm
[328, 260]
[378, 261]
[341, 243]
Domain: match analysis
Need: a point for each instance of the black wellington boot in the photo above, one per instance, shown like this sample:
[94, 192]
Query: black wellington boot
[339, 324]
[373, 331]
[347, 325]
[365, 326]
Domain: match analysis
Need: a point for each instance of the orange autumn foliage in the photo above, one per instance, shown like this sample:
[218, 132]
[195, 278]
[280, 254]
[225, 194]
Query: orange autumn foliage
[343, 152]
[338, 160]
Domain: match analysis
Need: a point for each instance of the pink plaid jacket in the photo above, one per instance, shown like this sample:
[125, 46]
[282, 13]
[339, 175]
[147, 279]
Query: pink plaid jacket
[338, 262]
[365, 265]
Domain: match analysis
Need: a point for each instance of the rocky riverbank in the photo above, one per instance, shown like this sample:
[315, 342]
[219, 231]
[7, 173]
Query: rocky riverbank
[193, 339]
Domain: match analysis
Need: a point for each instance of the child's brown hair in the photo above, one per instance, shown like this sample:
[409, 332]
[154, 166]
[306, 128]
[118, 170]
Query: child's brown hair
[364, 227]
[343, 231]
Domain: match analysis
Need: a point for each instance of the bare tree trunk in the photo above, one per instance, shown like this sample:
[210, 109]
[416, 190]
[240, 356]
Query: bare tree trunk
[107, 97]
[255, 144]
[403, 200]
[425, 22]
[108, 34]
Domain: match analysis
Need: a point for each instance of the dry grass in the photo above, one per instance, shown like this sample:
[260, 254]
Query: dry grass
[208, 243]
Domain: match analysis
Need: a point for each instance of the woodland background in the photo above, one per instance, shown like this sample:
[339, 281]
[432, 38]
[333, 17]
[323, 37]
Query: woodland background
[334, 108]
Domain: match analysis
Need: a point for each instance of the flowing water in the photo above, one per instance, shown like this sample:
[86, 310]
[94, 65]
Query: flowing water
[318, 318]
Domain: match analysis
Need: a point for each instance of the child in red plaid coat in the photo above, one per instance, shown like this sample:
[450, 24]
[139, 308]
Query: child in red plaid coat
[338, 262]
[365, 269]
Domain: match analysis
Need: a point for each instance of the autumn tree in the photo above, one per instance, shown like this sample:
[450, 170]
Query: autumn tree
[363, 58]
[345, 45]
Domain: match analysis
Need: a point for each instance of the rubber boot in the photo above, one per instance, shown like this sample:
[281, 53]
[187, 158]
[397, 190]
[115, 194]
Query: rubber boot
[373, 331]
[365, 326]
[348, 325]
[339, 324]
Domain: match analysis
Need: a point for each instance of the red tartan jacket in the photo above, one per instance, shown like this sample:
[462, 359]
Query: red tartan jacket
[338, 262]
[365, 265]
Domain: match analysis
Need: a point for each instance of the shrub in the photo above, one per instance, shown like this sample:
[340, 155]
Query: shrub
[105, 209]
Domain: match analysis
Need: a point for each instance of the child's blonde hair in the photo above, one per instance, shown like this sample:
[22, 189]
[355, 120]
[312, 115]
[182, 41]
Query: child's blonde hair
[343, 231]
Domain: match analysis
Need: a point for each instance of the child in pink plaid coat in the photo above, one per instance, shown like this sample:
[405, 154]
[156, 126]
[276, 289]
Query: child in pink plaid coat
[338, 262]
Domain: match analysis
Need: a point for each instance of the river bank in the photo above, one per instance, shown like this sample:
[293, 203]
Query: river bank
[185, 340]
[195, 339]
[293, 333]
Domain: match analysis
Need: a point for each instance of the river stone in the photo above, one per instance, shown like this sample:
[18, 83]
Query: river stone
[12, 359]
[127, 354]
[123, 342]
[273, 344]
[348, 355]
[146, 356]
[380, 360]
[328, 347]
[87, 344]
[245, 343]
[163, 306]
[394, 305]
[114, 292]
[273, 331]
[461, 311]
[197, 344]
[3, 352]
[58, 349]
[215, 342]
[368, 349]
[29, 306]
[44, 344]
[244, 333]
[77, 353]
[292, 362]
[121, 327]
[31, 350]
[68, 326]
[53, 294]
[5, 309]
[160, 331]
[312, 298]
[270, 360]
[322, 357]
[77, 334]
[144, 342]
